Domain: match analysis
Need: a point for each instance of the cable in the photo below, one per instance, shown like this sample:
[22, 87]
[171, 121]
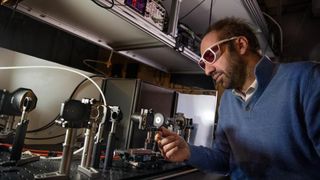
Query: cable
[47, 126]
[100, 128]
[108, 63]
[53, 137]
[280, 29]
[85, 61]
[60, 157]
[46, 138]
[51, 123]
[188, 13]
[33, 151]
[83, 81]
[60, 68]
[97, 2]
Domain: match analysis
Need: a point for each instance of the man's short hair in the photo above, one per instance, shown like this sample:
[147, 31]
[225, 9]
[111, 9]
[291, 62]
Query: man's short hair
[231, 26]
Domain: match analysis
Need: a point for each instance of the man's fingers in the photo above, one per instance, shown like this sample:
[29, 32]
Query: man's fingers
[171, 145]
[165, 132]
[167, 147]
[171, 153]
[167, 140]
[158, 137]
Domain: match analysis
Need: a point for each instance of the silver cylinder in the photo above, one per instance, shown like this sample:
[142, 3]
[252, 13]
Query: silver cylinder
[148, 140]
[85, 154]
[188, 135]
[9, 123]
[90, 148]
[68, 146]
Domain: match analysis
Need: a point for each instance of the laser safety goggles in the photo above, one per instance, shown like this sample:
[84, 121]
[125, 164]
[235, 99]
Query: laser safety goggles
[212, 53]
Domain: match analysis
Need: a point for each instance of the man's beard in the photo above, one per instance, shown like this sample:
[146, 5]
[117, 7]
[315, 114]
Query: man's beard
[235, 74]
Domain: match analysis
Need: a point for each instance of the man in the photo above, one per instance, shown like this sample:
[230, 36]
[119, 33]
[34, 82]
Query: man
[269, 114]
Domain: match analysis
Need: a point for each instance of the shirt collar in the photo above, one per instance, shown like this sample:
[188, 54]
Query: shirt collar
[248, 93]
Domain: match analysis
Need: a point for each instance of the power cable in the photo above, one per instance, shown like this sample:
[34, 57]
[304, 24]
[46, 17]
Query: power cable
[83, 81]
[51, 123]
[108, 63]
[47, 126]
[60, 68]
[46, 138]
[280, 30]
[69, 70]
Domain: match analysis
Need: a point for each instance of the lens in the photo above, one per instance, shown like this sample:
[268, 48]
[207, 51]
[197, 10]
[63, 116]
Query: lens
[209, 56]
[202, 64]
[215, 48]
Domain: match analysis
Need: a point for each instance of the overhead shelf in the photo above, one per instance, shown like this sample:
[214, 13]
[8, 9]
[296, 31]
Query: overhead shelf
[119, 28]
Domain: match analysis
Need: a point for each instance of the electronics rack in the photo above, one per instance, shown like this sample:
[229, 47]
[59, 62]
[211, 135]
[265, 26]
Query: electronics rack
[151, 10]
[139, 21]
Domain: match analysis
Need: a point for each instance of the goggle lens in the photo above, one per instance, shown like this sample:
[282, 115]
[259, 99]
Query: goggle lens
[212, 53]
[202, 64]
[209, 56]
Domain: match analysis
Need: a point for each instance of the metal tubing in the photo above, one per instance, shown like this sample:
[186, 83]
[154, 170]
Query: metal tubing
[90, 148]
[85, 149]
[68, 146]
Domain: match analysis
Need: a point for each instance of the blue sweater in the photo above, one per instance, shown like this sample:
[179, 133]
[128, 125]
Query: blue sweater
[274, 135]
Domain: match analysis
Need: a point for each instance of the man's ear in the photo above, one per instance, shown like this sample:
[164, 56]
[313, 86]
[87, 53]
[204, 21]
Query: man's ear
[242, 45]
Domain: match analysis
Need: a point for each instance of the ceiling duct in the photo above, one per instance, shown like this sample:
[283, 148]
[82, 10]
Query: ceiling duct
[274, 39]
[257, 16]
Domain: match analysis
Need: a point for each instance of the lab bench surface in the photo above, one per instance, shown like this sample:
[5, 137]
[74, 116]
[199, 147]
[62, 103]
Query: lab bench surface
[118, 170]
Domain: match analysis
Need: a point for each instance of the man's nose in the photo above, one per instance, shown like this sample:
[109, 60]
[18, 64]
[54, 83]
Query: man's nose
[209, 69]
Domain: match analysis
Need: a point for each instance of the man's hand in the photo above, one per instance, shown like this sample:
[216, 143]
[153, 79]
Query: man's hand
[172, 147]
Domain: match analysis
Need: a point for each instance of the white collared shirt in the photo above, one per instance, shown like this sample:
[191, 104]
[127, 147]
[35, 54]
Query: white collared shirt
[248, 93]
